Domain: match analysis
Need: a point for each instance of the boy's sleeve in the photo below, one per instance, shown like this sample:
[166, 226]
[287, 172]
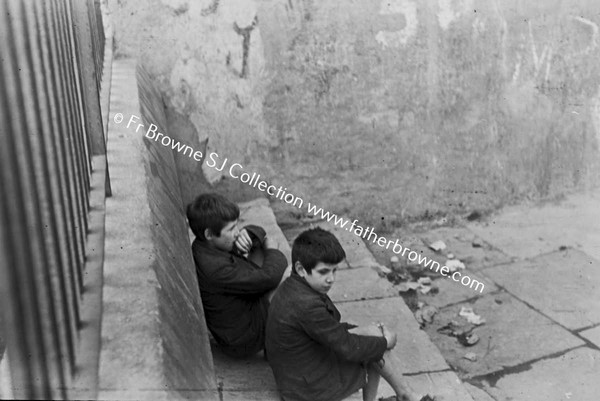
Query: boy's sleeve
[244, 278]
[322, 327]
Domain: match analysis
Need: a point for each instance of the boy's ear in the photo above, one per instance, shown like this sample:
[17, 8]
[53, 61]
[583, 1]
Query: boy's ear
[208, 234]
[300, 269]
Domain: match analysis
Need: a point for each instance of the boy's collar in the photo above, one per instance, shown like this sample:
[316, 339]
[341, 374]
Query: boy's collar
[302, 280]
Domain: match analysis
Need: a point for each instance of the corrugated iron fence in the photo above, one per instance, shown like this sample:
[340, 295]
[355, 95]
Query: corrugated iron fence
[51, 57]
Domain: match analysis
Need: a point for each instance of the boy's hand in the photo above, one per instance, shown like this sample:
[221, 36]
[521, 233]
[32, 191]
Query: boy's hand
[243, 242]
[389, 337]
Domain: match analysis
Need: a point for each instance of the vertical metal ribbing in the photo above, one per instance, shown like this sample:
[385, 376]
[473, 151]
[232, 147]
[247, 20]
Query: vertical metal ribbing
[57, 236]
[27, 205]
[60, 129]
[50, 266]
[67, 136]
[101, 38]
[81, 165]
[84, 137]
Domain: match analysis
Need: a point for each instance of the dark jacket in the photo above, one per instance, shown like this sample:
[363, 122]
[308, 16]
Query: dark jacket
[312, 354]
[233, 295]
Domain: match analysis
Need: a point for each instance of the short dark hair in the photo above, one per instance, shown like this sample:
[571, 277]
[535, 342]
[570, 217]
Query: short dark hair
[211, 211]
[314, 246]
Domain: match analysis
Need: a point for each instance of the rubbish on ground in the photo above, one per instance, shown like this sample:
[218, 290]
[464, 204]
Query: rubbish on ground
[563, 248]
[476, 243]
[450, 256]
[471, 356]
[423, 285]
[468, 339]
[395, 264]
[474, 216]
[382, 270]
[425, 314]
[454, 329]
[467, 313]
[424, 281]
[438, 246]
[427, 398]
[410, 285]
[411, 299]
[454, 265]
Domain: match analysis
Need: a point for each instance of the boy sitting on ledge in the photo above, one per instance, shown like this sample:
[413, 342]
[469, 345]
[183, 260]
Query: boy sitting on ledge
[238, 272]
[314, 357]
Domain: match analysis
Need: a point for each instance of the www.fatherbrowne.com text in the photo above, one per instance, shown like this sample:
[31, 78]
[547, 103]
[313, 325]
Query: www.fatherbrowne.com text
[236, 171]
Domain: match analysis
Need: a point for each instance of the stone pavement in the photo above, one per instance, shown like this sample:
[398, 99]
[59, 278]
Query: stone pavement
[363, 297]
[540, 264]
[541, 338]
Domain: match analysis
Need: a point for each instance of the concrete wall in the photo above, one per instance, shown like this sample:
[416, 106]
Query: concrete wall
[154, 337]
[441, 106]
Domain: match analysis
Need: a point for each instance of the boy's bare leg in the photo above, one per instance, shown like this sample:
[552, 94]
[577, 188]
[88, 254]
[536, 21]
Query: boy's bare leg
[391, 372]
[369, 391]
[389, 369]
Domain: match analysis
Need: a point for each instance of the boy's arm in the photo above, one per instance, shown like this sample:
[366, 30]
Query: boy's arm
[241, 277]
[322, 327]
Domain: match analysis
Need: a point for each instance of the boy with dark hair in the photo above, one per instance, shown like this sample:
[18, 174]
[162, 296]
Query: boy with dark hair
[314, 357]
[237, 272]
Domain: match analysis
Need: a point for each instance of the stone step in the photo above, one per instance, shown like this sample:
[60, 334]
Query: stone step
[251, 379]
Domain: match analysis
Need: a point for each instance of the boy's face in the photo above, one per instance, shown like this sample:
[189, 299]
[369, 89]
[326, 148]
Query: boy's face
[227, 238]
[321, 278]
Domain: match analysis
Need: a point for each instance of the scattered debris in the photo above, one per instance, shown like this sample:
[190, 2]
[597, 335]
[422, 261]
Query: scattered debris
[477, 243]
[411, 299]
[427, 397]
[424, 281]
[468, 339]
[454, 265]
[410, 285]
[450, 256]
[467, 313]
[474, 216]
[382, 270]
[563, 248]
[425, 314]
[438, 246]
[471, 356]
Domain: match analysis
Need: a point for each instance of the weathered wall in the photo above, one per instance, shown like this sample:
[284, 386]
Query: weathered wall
[386, 110]
[207, 57]
[187, 357]
[467, 105]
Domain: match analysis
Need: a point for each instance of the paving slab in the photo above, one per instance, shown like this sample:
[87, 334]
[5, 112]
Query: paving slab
[451, 292]
[592, 335]
[459, 241]
[477, 393]
[414, 352]
[513, 334]
[574, 222]
[445, 386]
[564, 285]
[244, 377]
[360, 284]
[572, 376]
